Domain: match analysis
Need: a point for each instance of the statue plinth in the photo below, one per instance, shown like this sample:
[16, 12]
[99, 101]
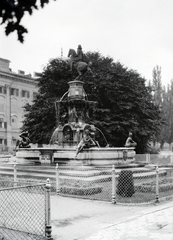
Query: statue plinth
[72, 115]
[76, 90]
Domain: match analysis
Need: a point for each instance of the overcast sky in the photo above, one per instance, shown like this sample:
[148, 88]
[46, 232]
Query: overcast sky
[138, 33]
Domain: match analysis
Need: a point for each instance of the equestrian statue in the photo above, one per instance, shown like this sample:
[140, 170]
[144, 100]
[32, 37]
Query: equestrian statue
[76, 60]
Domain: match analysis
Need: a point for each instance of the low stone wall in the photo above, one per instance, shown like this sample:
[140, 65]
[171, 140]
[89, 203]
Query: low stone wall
[92, 156]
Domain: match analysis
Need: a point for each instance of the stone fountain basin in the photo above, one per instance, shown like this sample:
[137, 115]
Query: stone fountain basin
[91, 156]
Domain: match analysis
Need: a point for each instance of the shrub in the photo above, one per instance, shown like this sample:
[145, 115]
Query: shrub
[125, 186]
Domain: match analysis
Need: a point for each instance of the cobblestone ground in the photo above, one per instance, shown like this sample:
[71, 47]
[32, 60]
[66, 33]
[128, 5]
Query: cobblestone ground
[156, 226]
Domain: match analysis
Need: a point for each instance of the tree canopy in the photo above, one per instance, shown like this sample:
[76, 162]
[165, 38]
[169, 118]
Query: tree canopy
[124, 102]
[12, 12]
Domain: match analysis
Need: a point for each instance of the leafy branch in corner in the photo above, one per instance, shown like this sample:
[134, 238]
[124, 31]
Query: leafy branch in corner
[12, 12]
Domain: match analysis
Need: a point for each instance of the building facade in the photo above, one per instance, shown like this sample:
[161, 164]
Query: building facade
[16, 89]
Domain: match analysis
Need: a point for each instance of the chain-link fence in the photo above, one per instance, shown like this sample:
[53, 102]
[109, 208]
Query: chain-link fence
[149, 179]
[24, 211]
[134, 185]
[84, 182]
[107, 184]
[131, 188]
[157, 159]
[165, 183]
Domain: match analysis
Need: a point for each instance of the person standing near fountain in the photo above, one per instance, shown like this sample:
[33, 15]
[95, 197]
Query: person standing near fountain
[130, 142]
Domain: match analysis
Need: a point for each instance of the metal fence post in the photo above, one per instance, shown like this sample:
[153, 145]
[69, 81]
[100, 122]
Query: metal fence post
[15, 173]
[157, 184]
[48, 230]
[171, 158]
[113, 185]
[57, 179]
[148, 157]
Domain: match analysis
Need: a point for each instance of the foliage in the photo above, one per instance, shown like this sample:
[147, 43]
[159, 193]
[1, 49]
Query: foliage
[153, 150]
[164, 185]
[158, 100]
[125, 186]
[12, 12]
[157, 86]
[163, 98]
[41, 116]
[124, 102]
[167, 130]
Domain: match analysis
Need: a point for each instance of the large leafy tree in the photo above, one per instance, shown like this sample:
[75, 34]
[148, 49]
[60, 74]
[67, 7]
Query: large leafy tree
[124, 102]
[12, 12]
[158, 100]
[157, 86]
[169, 114]
[166, 134]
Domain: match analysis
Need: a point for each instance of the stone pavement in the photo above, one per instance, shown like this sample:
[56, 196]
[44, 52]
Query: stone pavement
[157, 225]
[77, 219]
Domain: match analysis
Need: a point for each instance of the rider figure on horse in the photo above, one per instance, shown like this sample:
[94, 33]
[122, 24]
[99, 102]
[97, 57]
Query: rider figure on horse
[77, 61]
[79, 56]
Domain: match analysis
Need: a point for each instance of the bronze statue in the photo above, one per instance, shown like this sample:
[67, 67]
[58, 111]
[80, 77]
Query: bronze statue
[130, 142]
[24, 142]
[77, 61]
[88, 140]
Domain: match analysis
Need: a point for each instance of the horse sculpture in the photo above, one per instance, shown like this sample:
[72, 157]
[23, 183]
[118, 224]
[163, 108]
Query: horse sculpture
[78, 63]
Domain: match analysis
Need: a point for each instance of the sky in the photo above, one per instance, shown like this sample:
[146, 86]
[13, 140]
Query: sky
[137, 33]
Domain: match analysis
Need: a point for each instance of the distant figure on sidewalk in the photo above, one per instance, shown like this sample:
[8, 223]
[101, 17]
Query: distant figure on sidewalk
[130, 142]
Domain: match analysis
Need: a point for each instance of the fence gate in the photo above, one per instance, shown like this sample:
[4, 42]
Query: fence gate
[22, 211]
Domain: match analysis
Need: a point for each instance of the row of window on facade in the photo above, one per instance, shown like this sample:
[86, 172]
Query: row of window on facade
[13, 123]
[15, 92]
[3, 142]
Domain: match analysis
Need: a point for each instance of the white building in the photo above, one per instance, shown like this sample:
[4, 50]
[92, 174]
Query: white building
[16, 89]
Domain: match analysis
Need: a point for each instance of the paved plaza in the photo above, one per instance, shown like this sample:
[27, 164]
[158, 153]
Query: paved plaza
[77, 219]
[155, 226]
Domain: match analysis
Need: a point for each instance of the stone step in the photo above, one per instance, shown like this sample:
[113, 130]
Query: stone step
[90, 175]
[41, 177]
[65, 171]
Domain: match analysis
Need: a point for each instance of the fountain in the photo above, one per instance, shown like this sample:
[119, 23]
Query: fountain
[72, 115]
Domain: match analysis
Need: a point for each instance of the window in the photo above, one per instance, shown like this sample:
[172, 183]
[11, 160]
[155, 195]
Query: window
[17, 92]
[14, 122]
[3, 89]
[28, 94]
[14, 91]
[1, 123]
[1, 141]
[25, 93]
